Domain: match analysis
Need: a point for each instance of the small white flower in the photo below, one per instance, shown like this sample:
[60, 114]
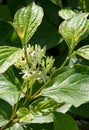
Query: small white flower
[40, 65]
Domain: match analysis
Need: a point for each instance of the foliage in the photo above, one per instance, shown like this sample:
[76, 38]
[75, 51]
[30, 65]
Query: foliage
[44, 64]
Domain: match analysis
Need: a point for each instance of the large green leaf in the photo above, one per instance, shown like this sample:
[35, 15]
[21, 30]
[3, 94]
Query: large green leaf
[46, 105]
[83, 52]
[74, 30]
[64, 122]
[9, 89]
[8, 56]
[43, 109]
[10, 96]
[26, 21]
[5, 84]
[5, 109]
[5, 112]
[70, 86]
[3, 121]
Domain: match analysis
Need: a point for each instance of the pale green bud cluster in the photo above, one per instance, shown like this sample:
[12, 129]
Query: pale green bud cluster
[39, 67]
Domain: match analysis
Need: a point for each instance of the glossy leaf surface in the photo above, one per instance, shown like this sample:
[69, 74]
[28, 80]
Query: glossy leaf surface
[9, 89]
[70, 86]
[74, 30]
[42, 118]
[84, 52]
[66, 13]
[26, 21]
[24, 115]
[64, 108]
[3, 121]
[5, 112]
[8, 56]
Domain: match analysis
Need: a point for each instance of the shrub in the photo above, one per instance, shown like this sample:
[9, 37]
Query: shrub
[44, 65]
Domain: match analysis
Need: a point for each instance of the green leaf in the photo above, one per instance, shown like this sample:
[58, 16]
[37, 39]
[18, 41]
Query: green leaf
[10, 96]
[5, 84]
[64, 108]
[42, 118]
[5, 109]
[73, 60]
[66, 13]
[64, 122]
[74, 30]
[3, 121]
[45, 105]
[83, 52]
[5, 112]
[29, 116]
[24, 115]
[26, 21]
[9, 90]
[70, 86]
[10, 76]
[8, 56]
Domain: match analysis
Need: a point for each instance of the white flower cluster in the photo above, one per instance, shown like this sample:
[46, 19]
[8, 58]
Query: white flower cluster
[39, 67]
